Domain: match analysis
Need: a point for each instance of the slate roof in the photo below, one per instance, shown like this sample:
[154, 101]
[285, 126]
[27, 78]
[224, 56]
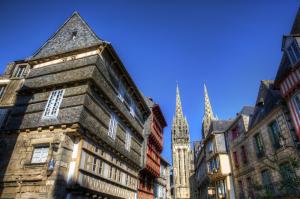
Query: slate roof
[247, 110]
[268, 98]
[219, 125]
[74, 34]
[164, 161]
[285, 65]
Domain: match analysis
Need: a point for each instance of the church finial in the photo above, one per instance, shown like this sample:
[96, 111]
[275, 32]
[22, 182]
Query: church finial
[208, 113]
[208, 108]
[178, 102]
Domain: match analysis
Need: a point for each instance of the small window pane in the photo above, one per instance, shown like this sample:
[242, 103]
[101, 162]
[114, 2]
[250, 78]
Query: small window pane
[275, 134]
[291, 55]
[2, 89]
[128, 141]
[296, 50]
[297, 102]
[112, 129]
[40, 155]
[20, 71]
[293, 52]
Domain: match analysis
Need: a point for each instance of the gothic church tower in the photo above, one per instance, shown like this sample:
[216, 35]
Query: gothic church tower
[208, 114]
[181, 152]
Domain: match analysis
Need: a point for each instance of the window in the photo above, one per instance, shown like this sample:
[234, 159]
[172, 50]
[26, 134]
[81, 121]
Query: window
[213, 165]
[221, 189]
[100, 168]
[162, 171]
[266, 180]
[2, 89]
[40, 154]
[234, 133]
[275, 135]
[210, 147]
[235, 159]
[244, 154]
[259, 146]
[287, 172]
[113, 123]
[20, 71]
[296, 100]
[250, 187]
[3, 116]
[293, 52]
[121, 92]
[94, 164]
[241, 189]
[132, 109]
[53, 104]
[128, 140]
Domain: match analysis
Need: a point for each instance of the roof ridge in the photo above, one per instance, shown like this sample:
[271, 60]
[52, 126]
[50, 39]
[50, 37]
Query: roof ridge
[85, 24]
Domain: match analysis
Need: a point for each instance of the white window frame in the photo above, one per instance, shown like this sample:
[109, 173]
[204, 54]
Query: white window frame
[132, 108]
[53, 104]
[295, 103]
[121, 92]
[210, 147]
[40, 154]
[2, 90]
[128, 140]
[292, 48]
[112, 128]
[20, 70]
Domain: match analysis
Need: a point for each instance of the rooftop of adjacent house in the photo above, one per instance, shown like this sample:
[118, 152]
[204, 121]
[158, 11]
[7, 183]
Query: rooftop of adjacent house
[267, 99]
[219, 125]
[74, 34]
[247, 110]
[285, 65]
[164, 161]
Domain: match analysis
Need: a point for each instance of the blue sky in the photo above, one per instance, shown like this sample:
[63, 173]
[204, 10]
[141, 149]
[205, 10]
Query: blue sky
[229, 45]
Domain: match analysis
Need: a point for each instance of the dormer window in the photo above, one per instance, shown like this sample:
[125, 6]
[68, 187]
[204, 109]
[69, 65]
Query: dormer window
[293, 51]
[19, 71]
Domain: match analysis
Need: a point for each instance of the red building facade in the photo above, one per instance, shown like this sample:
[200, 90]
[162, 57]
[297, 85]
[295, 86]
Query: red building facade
[153, 149]
[288, 74]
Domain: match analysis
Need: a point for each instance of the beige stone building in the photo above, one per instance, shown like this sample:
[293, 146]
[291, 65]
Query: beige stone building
[181, 153]
[212, 164]
[162, 188]
[72, 121]
[261, 142]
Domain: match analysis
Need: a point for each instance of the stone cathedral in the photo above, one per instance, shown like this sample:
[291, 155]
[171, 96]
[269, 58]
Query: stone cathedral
[181, 152]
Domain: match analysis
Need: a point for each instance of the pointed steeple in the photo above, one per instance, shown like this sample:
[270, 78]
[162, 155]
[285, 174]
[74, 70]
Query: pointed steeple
[208, 113]
[178, 103]
[74, 34]
[180, 130]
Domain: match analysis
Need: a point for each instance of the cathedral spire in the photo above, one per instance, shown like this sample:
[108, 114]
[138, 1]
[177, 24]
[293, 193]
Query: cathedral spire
[208, 109]
[180, 125]
[181, 153]
[208, 113]
[178, 103]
